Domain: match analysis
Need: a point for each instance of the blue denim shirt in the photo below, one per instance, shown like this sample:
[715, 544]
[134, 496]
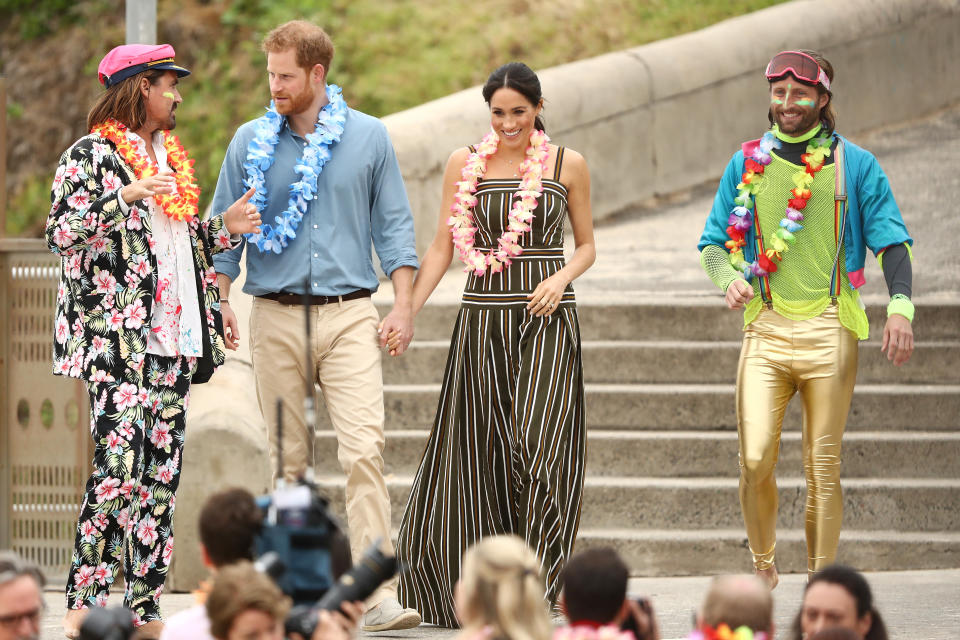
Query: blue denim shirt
[360, 201]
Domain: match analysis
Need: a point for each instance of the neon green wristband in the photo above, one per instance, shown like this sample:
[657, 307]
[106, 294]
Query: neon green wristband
[901, 304]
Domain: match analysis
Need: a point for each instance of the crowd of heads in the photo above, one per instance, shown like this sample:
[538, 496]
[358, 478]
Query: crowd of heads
[500, 595]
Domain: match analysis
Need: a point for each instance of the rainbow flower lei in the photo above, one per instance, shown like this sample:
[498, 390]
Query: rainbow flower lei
[329, 128]
[521, 213]
[723, 632]
[741, 217]
[181, 205]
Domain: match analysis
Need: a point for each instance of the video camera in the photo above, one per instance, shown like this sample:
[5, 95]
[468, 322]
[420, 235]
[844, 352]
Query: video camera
[298, 548]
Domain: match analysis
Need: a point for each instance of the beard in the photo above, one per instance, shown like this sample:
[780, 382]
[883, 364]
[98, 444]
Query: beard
[808, 120]
[298, 103]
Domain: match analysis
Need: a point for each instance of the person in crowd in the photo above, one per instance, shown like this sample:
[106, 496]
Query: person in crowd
[506, 452]
[327, 179]
[137, 318]
[835, 633]
[499, 595]
[737, 602]
[21, 598]
[594, 595]
[229, 521]
[794, 214]
[245, 604]
[838, 596]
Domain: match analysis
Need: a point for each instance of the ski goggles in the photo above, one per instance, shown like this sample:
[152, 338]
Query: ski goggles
[803, 67]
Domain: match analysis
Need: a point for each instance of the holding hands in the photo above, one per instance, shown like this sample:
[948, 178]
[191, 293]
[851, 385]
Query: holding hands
[242, 217]
[396, 330]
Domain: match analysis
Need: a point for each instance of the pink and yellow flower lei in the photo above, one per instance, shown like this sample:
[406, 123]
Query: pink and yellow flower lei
[461, 222]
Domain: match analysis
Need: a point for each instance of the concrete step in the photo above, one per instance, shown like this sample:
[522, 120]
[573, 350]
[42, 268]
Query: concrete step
[676, 552]
[923, 454]
[711, 503]
[703, 406]
[678, 361]
[687, 319]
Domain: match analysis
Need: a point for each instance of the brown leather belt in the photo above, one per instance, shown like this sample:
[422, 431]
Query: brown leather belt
[297, 299]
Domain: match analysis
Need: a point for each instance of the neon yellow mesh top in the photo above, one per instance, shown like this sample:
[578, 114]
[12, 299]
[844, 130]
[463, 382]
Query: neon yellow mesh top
[800, 287]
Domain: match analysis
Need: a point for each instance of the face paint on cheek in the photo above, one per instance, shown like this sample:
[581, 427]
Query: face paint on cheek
[167, 94]
[805, 102]
[776, 101]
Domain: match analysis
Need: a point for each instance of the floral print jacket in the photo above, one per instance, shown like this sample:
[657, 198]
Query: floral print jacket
[108, 268]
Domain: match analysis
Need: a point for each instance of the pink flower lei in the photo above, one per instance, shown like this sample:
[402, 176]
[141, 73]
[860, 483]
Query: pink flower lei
[521, 213]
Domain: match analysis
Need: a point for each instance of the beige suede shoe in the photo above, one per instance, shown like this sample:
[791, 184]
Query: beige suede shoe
[389, 615]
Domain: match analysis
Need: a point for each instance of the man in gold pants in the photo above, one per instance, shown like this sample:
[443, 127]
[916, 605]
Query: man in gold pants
[786, 240]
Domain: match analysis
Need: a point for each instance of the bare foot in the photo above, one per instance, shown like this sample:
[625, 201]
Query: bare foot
[149, 631]
[769, 576]
[72, 621]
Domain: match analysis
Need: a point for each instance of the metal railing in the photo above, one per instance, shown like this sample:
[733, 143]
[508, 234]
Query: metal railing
[45, 447]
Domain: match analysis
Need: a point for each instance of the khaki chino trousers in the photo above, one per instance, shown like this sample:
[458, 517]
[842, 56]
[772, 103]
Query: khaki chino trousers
[345, 357]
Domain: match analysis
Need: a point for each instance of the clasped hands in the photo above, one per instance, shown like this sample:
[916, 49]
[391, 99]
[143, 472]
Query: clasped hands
[396, 330]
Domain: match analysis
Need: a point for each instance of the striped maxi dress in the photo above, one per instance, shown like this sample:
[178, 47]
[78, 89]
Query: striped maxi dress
[507, 450]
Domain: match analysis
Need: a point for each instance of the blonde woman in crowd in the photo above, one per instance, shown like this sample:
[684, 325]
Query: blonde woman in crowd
[500, 595]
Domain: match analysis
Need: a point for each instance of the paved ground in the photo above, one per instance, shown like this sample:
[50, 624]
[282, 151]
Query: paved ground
[651, 253]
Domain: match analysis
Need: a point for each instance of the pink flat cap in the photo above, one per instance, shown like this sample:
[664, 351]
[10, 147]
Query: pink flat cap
[130, 59]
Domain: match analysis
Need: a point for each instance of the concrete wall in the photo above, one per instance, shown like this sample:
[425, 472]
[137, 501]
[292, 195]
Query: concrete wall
[667, 116]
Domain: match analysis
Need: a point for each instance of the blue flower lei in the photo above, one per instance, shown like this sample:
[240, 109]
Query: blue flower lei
[329, 128]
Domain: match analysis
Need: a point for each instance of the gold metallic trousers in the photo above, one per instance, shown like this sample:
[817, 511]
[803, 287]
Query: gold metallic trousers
[818, 358]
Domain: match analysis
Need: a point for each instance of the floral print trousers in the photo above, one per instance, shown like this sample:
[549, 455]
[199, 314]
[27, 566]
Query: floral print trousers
[127, 513]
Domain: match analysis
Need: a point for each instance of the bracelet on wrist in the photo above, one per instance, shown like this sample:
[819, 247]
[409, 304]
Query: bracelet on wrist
[224, 301]
[902, 305]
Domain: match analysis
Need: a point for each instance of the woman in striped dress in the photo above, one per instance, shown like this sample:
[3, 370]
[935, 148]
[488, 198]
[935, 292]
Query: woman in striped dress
[507, 450]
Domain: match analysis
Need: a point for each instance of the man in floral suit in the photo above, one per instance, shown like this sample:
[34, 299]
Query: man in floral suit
[137, 318]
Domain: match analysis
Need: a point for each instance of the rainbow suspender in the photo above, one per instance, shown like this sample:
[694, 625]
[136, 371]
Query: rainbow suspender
[839, 216]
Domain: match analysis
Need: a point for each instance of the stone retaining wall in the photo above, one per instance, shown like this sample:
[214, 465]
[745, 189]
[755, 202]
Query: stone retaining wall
[666, 116]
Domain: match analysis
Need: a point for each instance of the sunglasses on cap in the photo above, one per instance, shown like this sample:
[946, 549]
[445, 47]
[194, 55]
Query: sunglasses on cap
[803, 67]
